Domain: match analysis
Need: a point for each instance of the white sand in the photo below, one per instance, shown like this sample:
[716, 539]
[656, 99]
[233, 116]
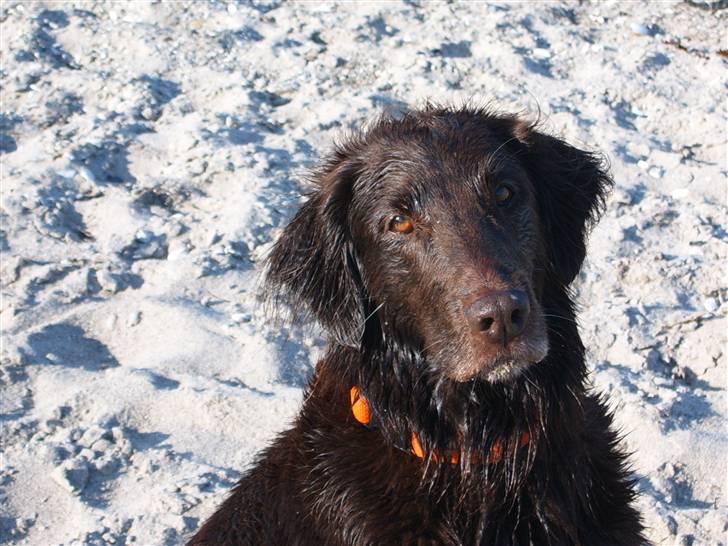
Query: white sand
[150, 153]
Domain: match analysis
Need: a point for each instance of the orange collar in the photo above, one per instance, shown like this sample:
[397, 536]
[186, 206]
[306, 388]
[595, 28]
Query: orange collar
[362, 412]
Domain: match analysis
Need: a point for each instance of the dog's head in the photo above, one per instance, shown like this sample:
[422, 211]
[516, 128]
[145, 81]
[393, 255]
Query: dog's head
[440, 230]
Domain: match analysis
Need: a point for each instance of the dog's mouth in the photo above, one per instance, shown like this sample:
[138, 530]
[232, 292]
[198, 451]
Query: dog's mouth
[504, 370]
[502, 331]
[504, 363]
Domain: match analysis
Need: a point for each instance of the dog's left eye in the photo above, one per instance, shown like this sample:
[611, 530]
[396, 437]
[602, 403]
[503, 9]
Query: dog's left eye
[503, 193]
[401, 224]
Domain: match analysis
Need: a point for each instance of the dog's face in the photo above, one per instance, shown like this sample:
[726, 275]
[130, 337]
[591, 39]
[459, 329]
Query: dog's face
[439, 231]
[447, 234]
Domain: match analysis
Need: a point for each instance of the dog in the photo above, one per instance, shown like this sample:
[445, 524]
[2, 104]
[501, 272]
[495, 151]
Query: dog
[451, 405]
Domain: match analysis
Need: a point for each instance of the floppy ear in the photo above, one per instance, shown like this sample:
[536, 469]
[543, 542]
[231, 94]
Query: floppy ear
[313, 261]
[571, 186]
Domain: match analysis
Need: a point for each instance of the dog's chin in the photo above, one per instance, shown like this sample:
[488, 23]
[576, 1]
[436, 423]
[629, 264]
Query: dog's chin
[504, 371]
[503, 368]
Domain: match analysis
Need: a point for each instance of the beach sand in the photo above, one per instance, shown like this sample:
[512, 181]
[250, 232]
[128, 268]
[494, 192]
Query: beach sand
[152, 152]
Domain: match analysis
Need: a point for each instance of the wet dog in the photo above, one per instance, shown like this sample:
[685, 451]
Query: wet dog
[451, 407]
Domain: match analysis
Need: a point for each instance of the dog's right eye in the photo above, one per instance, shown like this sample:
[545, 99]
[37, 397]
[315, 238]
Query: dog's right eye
[401, 224]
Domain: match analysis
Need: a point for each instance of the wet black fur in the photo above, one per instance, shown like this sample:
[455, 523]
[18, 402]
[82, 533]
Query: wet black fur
[328, 480]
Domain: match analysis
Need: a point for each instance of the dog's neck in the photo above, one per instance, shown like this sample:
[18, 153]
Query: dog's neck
[361, 410]
[405, 397]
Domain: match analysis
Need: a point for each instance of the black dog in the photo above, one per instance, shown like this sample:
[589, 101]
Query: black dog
[451, 406]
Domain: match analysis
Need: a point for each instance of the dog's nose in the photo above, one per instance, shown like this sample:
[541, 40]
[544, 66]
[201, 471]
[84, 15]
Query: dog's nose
[499, 316]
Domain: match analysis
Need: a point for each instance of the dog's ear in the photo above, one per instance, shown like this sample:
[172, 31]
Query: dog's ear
[571, 186]
[313, 261]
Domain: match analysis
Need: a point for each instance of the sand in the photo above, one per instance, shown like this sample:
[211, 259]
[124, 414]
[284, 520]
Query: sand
[151, 153]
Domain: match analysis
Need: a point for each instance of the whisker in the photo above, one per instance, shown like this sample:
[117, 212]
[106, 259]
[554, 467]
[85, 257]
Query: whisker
[560, 317]
[372, 313]
[434, 343]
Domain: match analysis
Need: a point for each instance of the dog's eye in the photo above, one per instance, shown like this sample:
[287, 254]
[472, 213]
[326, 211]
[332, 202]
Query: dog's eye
[401, 224]
[503, 194]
